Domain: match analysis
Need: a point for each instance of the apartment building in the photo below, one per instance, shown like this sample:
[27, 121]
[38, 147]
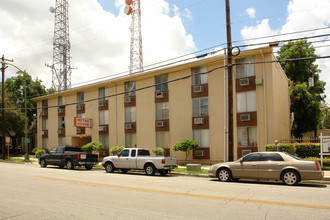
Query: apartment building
[161, 107]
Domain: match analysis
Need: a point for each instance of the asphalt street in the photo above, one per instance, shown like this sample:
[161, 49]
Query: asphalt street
[30, 192]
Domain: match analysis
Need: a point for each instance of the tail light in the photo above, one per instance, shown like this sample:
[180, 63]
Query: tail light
[78, 156]
[317, 166]
[163, 161]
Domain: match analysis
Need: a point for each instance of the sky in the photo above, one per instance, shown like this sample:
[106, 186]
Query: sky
[100, 36]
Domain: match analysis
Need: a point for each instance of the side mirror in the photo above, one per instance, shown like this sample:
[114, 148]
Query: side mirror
[241, 160]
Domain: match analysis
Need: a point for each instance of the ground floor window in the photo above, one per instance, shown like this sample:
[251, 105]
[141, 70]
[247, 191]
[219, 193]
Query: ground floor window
[202, 136]
[45, 143]
[104, 139]
[61, 141]
[130, 140]
[163, 139]
[247, 136]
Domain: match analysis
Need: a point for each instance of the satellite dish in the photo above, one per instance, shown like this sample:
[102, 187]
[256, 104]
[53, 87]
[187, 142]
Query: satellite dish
[52, 9]
[128, 9]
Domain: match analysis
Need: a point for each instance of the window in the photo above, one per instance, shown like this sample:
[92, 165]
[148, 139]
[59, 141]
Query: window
[163, 80]
[103, 117]
[104, 139]
[245, 70]
[44, 104]
[103, 92]
[247, 136]
[130, 140]
[143, 153]
[61, 100]
[202, 136]
[53, 150]
[44, 125]
[61, 141]
[133, 153]
[162, 111]
[45, 143]
[80, 115]
[163, 139]
[61, 122]
[130, 114]
[124, 153]
[200, 106]
[129, 88]
[251, 158]
[80, 97]
[246, 102]
[197, 78]
[270, 157]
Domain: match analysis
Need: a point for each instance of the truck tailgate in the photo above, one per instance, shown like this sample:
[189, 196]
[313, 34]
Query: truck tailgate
[169, 161]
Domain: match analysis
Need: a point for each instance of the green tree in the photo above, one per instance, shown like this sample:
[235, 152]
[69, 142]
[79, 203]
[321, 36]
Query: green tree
[93, 146]
[305, 101]
[186, 146]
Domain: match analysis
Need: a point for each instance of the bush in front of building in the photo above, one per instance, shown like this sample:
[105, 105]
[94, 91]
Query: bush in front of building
[158, 151]
[93, 146]
[38, 151]
[302, 150]
[116, 150]
[186, 146]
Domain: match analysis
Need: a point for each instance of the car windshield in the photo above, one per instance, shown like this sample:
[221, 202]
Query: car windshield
[297, 158]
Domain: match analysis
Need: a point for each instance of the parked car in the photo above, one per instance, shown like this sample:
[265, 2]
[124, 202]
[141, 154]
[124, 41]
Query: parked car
[139, 159]
[68, 156]
[268, 165]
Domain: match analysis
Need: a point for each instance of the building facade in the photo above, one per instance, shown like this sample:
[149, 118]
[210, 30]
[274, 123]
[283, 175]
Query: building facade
[162, 107]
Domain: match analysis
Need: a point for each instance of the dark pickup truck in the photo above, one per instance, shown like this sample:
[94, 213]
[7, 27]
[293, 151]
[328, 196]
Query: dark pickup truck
[68, 156]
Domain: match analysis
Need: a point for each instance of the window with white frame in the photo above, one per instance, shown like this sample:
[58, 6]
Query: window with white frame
[198, 78]
[44, 125]
[202, 136]
[247, 136]
[80, 97]
[130, 114]
[61, 141]
[103, 93]
[162, 111]
[130, 140]
[61, 100]
[44, 143]
[200, 106]
[163, 139]
[61, 122]
[104, 139]
[245, 70]
[162, 80]
[104, 117]
[81, 115]
[129, 88]
[246, 101]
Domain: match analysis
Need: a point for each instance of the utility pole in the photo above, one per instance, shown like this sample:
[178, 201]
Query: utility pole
[230, 86]
[3, 133]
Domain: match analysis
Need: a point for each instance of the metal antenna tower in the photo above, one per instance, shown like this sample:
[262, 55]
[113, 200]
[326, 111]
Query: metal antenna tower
[133, 8]
[61, 69]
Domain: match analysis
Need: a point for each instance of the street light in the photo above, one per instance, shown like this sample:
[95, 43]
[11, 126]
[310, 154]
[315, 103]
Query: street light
[26, 156]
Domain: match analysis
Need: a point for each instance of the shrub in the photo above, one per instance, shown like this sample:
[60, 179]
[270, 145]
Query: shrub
[305, 150]
[158, 151]
[34, 150]
[116, 150]
[92, 146]
[186, 146]
[39, 151]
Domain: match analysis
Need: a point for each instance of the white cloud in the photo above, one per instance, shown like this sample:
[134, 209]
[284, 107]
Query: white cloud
[302, 15]
[251, 12]
[100, 40]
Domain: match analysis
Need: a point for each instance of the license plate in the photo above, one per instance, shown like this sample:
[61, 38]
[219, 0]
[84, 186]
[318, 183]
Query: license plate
[83, 156]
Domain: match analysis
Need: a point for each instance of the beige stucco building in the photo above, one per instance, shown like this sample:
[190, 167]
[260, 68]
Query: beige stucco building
[164, 106]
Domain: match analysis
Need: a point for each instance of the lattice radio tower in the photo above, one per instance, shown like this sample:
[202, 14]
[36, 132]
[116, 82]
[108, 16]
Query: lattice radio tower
[133, 8]
[61, 69]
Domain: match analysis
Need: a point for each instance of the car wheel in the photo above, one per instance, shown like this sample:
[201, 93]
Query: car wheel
[290, 177]
[124, 171]
[88, 167]
[150, 170]
[69, 165]
[163, 172]
[43, 163]
[109, 167]
[224, 175]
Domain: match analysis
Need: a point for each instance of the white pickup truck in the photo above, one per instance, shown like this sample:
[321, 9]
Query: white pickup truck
[139, 159]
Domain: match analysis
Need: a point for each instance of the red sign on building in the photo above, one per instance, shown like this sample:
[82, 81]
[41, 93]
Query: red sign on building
[83, 122]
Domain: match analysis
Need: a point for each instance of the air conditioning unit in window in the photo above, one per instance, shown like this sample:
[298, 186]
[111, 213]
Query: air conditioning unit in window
[198, 89]
[127, 99]
[198, 121]
[160, 124]
[43, 112]
[160, 95]
[244, 82]
[43, 132]
[102, 128]
[245, 152]
[79, 107]
[102, 103]
[79, 130]
[128, 126]
[60, 110]
[60, 131]
[199, 153]
[245, 117]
